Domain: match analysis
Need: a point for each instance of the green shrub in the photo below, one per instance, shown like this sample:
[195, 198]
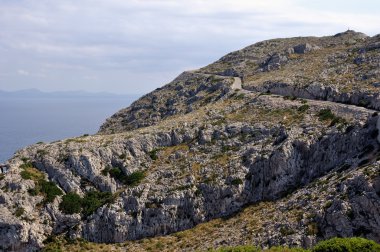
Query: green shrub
[153, 154]
[19, 211]
[237, 181]
[328, 204]
[42, 152]
[134, 178]
[303, 108]
[24, 159]
[131, 180]
[93, 200]
[247, 248]
[49, 189]
[326, 114]
[240, 97]
[285, 249]
[289, 97]
[354, 244]
[25, 174]
[364, 102]
[116, 173]
[71, 203]
[285, 231]
[226, 148]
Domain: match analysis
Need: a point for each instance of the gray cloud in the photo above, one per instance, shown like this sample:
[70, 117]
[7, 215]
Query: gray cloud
[133, 46]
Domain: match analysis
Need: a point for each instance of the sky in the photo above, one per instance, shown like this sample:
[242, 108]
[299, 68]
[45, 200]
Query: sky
[135, 46]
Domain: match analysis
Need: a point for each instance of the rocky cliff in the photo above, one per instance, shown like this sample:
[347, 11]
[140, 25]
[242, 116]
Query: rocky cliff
[292, 122]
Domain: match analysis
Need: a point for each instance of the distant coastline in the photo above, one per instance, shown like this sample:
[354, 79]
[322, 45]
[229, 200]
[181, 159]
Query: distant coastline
[36, 93]
[31, 116]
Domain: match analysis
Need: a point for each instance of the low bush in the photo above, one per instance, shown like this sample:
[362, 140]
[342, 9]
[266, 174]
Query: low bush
[237, 181]
[328, 115]
[93, 200]
[134, 178]
[249, 248]
[246, 248]
[26, 164]
[71, 203]
[131, 180]
[153, 154]
[49, 190]
[19, 211]
[303, 108]
[116, 173]
[290, 97]
[354, 244]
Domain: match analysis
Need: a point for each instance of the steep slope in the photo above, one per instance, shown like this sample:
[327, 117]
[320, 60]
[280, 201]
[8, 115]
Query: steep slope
[330, 206]
[205, 146]
[186, 93]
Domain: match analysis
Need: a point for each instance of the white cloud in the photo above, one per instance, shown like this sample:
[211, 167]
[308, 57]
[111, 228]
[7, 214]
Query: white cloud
[151, 41]
[23, 72]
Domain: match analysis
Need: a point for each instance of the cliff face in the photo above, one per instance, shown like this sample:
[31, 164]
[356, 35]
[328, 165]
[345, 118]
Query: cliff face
[292, 121]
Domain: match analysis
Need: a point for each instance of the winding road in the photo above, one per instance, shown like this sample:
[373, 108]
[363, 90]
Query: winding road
[237, 85]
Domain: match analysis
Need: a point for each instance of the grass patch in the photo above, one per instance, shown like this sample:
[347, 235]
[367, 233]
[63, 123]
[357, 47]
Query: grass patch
[31, 173]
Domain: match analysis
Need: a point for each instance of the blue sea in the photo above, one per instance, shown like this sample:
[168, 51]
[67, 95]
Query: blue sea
[25, 121]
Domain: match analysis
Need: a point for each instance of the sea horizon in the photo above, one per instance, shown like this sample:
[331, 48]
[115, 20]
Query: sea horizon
[26, 120]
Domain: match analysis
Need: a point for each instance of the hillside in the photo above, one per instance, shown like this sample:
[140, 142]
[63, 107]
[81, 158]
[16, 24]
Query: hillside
[274, 144]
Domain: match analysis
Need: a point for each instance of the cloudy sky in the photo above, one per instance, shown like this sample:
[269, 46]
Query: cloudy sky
[134, 46]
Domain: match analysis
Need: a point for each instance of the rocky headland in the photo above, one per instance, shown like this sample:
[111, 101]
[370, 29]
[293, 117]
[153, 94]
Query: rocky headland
[274, 144]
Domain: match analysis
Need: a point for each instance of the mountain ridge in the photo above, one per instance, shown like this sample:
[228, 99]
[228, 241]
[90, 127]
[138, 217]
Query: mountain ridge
[291, 121]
